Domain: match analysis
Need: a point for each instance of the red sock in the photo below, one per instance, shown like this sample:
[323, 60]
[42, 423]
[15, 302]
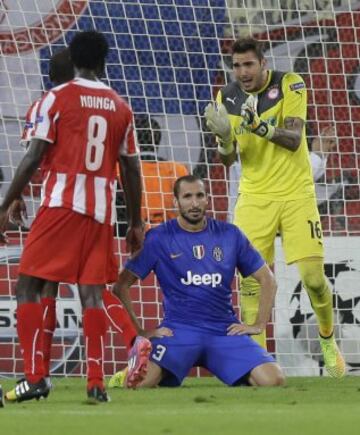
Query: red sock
[29, 329]
[95, 326]
[49, 325]
[119, 318]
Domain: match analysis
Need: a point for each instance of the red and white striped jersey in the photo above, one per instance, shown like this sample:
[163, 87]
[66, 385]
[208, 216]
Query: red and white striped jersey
[87, 125]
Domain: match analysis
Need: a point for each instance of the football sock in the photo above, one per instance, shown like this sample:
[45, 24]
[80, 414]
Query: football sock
[119, 318]
[95, 326]
[249, 303]
[29, 329]
[49, 324]
[314, 280]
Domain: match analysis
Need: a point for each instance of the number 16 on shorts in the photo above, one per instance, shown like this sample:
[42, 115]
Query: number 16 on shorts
[315, 229]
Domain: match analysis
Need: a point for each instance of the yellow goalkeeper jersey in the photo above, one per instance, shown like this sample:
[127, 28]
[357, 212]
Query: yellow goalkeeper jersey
[269, 170]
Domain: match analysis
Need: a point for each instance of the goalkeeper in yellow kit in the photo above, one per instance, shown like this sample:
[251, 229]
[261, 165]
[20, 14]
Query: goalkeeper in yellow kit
[262, 116]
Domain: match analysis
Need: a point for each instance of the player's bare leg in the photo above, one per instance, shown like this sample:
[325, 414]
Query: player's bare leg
[95, 326]
[314, 280]
[267, 375]
[153, 377]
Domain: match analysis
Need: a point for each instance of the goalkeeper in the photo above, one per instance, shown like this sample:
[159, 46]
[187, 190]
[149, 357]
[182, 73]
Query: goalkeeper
[262, 116]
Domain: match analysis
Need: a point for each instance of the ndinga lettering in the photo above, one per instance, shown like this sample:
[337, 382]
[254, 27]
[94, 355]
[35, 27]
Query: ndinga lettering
[102, 103]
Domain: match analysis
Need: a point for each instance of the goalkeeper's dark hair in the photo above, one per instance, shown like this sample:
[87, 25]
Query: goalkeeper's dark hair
[185, 179]
[249, 43]
[61, 69]
[88, 50]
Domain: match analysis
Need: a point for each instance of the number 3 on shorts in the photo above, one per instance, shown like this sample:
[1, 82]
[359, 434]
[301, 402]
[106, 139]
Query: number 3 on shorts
[158, 352]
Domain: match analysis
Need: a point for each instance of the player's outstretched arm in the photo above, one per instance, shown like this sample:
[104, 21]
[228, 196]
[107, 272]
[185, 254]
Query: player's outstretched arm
[121, 289]
[131, 181]
[268, 287]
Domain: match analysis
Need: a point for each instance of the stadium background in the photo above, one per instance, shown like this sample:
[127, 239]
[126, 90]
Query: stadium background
[168, 58]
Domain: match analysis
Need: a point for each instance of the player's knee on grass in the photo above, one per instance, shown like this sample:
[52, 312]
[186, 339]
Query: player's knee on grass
[267, 375]
[153, 376]
[91, 295]
[28, 289]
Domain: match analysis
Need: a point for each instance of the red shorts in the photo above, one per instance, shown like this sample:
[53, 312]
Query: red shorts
[69, 247]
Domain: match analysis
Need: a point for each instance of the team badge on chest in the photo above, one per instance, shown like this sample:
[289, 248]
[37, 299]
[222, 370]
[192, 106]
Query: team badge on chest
[273, 93]
[218, 253]
[199, 252]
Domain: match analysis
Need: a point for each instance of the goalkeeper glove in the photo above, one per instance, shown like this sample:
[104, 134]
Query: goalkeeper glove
[252, 122]
[218, 122]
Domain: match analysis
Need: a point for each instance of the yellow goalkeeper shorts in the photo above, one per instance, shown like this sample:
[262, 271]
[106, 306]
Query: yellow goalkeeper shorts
[297, 221]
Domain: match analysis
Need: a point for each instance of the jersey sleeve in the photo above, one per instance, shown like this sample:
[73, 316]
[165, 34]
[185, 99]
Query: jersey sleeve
[46, 117]
[249, 259]
[295, 96]
[29, 124]
[143, 263]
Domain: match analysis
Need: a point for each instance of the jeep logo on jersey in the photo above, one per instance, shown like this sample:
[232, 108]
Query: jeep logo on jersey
[199, 251]
[22, 31]
[213, 279]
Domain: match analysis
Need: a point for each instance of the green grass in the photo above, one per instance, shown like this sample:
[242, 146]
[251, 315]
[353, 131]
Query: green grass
[306, 406]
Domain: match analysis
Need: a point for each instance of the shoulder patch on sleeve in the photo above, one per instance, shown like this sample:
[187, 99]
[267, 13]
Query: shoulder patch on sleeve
[297, 86]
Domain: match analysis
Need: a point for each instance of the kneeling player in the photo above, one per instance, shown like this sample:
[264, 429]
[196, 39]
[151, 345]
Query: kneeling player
[194, 259]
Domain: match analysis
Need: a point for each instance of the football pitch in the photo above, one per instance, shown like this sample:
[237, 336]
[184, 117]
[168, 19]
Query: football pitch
[306, 406]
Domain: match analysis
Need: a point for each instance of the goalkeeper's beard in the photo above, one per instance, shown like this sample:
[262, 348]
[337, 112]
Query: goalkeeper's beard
[192, 220]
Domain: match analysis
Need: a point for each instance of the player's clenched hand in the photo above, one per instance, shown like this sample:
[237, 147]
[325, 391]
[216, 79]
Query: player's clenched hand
[251, 120]
[134, 238]
[158, 333]
[242, 329]
[217, 120]
[18, 212]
